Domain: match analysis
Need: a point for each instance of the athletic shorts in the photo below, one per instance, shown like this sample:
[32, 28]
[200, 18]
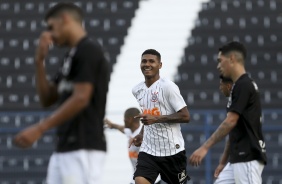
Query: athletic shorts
[171, 168]
[76, 167]
[241, 173]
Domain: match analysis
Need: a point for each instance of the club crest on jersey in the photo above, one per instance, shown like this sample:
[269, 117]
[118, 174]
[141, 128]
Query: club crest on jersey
[155, 97]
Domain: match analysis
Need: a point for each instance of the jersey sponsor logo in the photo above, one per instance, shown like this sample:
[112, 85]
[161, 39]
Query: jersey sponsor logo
[133, 154]
[67, 62]
[229, 101]
[262, 146]
[155, 97]
[255, 85]
[65, 86]
[230, 97]
[155, 111]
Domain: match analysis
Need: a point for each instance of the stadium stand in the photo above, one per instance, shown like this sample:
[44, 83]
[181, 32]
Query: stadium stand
[256, 23]
[20, 26]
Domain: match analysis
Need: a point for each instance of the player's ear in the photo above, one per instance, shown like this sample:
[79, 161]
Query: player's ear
[232, 58]
[160, 65]
[65, 18]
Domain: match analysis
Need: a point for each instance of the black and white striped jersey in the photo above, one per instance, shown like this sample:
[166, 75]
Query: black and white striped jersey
[161, 98]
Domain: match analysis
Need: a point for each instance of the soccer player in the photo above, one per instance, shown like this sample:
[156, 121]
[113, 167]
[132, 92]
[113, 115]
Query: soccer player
[80, 88]
[247, 153]
[163, 109]
[225, 86]
[131, 128]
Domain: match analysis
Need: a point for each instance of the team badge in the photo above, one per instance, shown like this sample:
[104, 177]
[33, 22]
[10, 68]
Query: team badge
[177, 146]
[154, 97]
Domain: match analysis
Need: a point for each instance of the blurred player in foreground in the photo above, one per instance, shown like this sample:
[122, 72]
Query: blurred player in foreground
[131, 128]
[80, 88]
[243, 122]
[162, 148]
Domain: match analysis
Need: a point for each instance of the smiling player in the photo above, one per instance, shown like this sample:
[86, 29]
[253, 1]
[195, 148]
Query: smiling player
[162, 146]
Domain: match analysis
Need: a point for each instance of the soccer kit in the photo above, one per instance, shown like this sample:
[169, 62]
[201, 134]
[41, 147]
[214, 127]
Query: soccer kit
[247, 147]
[81, 144]
[133, 151]
[162, 150]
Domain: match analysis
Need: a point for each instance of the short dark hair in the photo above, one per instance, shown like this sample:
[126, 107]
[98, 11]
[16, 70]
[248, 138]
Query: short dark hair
[67, 7]
[226, 79]
[152, 52]
[132, 112]
[234, 46]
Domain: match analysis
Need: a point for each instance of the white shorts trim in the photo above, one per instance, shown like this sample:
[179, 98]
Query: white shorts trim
[76, 167]
[241, 173]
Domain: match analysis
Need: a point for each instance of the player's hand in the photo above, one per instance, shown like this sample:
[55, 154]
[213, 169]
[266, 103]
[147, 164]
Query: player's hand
[45, 41]
[147, 119]
[28, 136]
[198, 155]
[137, 140]
[108, 123]
[218, 170]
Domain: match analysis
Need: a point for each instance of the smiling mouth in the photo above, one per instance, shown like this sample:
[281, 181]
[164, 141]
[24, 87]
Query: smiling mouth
[147, 69]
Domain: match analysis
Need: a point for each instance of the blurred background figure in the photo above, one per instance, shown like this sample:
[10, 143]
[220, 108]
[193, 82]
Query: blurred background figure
[225, 85]
[131, 128]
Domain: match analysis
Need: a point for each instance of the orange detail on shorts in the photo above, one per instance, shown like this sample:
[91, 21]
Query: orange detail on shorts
[133, 154]
[155, 111]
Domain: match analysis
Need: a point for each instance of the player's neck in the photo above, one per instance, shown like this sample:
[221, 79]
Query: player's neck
[76, 35]
[151, 80]
[238, 73]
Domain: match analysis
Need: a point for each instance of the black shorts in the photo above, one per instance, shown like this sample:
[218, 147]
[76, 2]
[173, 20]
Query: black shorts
[171, 168]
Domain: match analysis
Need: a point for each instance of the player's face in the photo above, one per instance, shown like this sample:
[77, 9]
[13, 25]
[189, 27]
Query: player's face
[150, 65]
[58, 31]
[224, 65]
[127, 122]
[225, 88]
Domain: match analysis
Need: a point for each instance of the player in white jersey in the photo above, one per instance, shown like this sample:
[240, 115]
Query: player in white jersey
[162, 145]
[131, 128]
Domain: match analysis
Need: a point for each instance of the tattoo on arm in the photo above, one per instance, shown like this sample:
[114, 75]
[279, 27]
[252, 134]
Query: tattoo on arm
[219, 134]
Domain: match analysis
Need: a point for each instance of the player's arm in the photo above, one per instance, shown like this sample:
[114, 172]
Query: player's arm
[70, 108]
[46, 90]
[223, 130]
[114, 126]
[225, 127]
[182, 116]
[74, 105]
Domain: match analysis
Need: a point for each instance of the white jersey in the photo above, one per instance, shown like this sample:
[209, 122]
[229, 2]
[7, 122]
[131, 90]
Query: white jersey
[133, 150]
[161, 98]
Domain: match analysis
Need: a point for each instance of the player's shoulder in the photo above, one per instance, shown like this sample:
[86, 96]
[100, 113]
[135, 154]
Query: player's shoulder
[137, 87]
[166, 83]
[245, 83]
[90, 45]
